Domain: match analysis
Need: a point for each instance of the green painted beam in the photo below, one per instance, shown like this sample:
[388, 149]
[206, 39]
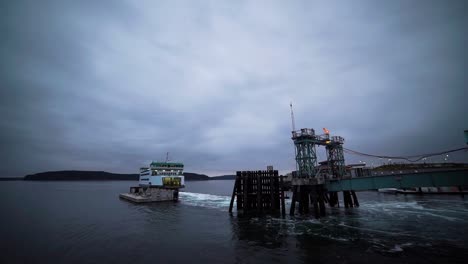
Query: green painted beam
[423, 179]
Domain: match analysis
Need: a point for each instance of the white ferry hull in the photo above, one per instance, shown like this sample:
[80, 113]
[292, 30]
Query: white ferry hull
[147, 195]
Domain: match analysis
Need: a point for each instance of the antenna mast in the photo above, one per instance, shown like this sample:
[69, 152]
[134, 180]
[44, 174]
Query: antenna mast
[292, 118]
[293, 132]
[167, 156]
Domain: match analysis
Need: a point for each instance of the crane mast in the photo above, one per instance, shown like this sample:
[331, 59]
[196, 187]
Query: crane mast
[292, 118]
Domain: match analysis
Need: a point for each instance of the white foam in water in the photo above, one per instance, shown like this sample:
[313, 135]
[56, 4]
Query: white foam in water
[392, 205]
[396, 208]
[375, 230]
[448, 218]
[205, 200]
[396, 248]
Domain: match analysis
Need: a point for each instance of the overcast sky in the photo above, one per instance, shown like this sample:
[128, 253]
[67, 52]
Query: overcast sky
[112, 85]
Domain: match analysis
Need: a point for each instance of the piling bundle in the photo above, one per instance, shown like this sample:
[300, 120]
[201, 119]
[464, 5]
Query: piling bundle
[258, 192]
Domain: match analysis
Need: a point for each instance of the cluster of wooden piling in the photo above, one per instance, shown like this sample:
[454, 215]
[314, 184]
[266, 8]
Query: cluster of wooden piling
[333, 199]
[258, 191]
[306, 195]
[350, 199]
[317, 196]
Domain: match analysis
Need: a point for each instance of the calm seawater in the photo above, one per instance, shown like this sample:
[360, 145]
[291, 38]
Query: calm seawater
[86, 222]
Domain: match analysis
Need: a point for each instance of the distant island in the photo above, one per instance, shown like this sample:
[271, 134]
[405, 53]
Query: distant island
[74, 175]
[11, 178]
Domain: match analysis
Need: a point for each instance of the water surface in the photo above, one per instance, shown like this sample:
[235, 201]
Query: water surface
[86, 222]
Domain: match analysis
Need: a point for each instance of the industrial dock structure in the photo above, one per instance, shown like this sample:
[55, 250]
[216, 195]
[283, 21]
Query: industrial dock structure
[315, 184]
[309, 183]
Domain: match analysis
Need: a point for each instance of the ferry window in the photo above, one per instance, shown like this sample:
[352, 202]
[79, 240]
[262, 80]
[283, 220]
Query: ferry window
[170, 181]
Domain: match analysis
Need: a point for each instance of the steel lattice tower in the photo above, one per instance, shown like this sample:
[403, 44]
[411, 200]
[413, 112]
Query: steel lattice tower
[306, 156]
[335, 157]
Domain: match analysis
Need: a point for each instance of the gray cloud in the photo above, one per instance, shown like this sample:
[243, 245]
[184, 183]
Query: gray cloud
[112, 85]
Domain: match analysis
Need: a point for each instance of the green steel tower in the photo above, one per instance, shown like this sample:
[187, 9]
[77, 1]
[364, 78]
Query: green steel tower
[335, 157]
[306, 156]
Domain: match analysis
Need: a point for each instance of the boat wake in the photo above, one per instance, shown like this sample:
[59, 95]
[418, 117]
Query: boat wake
[387, 227]
[205, 200]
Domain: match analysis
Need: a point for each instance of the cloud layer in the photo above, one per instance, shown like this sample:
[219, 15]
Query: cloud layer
[107, 85]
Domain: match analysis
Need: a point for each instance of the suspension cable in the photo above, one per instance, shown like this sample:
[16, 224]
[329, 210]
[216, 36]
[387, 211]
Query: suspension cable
[413, 158]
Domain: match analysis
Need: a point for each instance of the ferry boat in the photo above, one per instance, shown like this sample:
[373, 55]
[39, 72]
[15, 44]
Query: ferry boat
[162, 174]
[160, 181]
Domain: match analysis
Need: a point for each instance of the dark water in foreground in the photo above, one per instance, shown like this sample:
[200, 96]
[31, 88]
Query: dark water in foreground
[85, 222]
